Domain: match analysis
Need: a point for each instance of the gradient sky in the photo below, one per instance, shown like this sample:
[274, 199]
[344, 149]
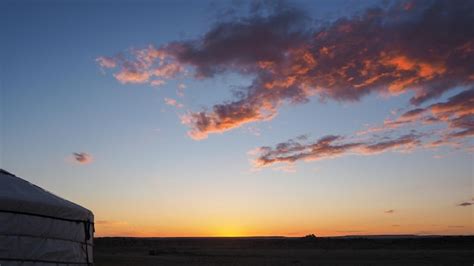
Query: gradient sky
[195, 118]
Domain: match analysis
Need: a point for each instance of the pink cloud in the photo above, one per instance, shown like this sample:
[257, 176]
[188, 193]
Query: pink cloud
[168, 71]
[173, 102]
[106, 62]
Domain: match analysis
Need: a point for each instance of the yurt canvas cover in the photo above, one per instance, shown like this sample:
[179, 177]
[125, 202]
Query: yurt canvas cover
[40, 228]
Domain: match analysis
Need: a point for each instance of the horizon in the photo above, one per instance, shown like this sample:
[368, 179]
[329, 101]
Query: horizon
[245, 118]
[296, 237]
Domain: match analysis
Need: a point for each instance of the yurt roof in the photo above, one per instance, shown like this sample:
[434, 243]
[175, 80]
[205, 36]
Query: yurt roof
[20, 196]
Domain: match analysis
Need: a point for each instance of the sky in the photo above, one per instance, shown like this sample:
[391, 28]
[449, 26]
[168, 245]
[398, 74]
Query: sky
[244, 118]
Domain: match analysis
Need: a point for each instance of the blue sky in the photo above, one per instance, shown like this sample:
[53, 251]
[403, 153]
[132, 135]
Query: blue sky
[148, 177]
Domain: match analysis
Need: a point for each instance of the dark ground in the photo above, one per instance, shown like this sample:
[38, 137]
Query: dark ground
[408, 250]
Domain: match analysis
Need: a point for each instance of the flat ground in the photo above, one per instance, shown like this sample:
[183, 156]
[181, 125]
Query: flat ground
[284, 251]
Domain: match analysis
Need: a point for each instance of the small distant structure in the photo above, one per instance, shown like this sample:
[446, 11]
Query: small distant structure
[40, 228]
[309, 237]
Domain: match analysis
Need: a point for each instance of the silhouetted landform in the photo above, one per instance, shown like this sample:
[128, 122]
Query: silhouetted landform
[308, 250]
[309, 237]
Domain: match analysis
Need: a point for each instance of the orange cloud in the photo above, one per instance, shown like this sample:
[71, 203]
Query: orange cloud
[144, 64]
[423, 70]
[383, 50]
[168, 70]
[132, 76]
[224, 118]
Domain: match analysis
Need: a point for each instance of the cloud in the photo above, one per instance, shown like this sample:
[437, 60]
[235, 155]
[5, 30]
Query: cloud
[389, 124]
[223, 118]
[180, 89]
[82, 157]
[426, 47]
[139, 67]
[106, 62]
[168, 71]
[456, 114]
[132, 76]
[157, 82]
[293, 150]
[173, 102]
[329, 147]
[406, 143]
[389, 211]
[253, 130]
[288, 168]
[465, 204]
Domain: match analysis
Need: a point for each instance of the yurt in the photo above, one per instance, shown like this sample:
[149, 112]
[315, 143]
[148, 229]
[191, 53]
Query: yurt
[40, 228]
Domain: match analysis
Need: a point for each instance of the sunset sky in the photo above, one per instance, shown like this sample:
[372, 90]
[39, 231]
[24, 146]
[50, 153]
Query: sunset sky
[236, 118]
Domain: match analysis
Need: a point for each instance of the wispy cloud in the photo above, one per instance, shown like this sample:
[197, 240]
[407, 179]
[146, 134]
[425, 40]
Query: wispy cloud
[457, 112]
[157, 82]
[180, 89]
[391, 211]
[287, 168]
[465, 204]
[106, 62]
[329, 147]
[456, 115]
[253, 130]
[173, 102]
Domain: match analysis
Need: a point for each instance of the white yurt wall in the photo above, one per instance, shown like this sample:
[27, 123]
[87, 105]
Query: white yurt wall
[40, 228]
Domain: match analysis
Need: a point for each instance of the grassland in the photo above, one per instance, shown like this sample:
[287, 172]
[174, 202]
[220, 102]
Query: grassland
[284, 251]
